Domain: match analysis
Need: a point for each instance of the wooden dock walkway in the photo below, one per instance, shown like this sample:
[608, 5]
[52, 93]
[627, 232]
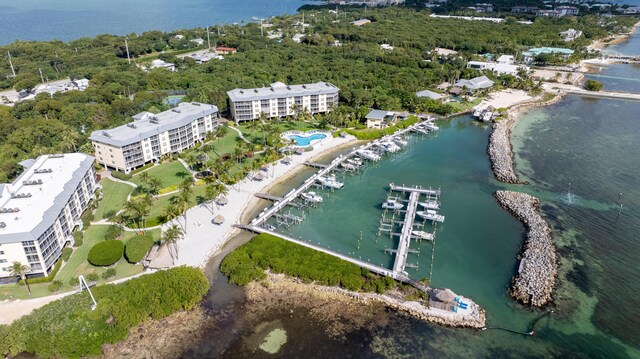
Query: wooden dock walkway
[405, 234]
[427, 191]
[315, 164]
[273, 198]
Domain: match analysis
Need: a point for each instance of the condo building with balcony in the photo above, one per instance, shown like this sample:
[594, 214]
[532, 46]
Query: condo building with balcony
[150, 136]
[281, 100]
[40, 209]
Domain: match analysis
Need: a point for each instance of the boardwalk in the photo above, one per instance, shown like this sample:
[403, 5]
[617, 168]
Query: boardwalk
[405, 235]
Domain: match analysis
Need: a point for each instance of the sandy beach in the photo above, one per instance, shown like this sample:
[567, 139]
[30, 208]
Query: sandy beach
[504, 99]
[204, 238]
[598, 45]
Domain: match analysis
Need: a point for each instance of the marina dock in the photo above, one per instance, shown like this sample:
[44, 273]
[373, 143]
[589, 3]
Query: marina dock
[405, 235]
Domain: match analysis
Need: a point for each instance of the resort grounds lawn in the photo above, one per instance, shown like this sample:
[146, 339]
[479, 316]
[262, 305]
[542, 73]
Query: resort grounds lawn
[170, 173]
[114, 197]
[255, 135]
[459, 106]
[78, 265]
[158, 208]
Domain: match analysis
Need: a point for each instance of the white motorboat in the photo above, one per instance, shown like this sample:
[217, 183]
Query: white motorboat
[431, 215]
[393, 204]
[477, 112]
[430, 204]
[420, 130]
[369, 155]
[330, 182]
[389, 146]
[423, 235]
[355, 161]
[312, 197]
[400, 141]
[431, 127]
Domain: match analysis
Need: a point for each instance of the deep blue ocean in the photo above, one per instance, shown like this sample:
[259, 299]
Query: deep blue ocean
[71, 19]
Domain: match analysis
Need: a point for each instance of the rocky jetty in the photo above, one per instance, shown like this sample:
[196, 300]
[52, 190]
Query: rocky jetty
[500, 150]
[533, 284]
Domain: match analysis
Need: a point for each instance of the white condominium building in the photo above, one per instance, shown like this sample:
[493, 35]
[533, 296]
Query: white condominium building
[281, 100]
[39, 210]
[150, 136]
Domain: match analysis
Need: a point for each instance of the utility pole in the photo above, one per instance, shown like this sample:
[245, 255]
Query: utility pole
[41, 77]
[13, 71]
[261, 28]
[208, 40]
[126, 45]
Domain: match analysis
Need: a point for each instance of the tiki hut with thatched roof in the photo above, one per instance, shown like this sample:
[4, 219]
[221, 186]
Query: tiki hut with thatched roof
[446, 295]
[222, 200]
[218, 220]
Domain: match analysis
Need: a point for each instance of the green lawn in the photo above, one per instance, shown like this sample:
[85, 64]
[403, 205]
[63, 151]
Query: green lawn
[78, 265]
[256, 136]
[171, 174]
[156, 215]
[458, 106]
[114, 197]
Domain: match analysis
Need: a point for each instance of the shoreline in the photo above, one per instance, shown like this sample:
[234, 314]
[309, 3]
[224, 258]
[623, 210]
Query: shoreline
[538, 269]
[276, 285]
[601, 44]
[500, 150]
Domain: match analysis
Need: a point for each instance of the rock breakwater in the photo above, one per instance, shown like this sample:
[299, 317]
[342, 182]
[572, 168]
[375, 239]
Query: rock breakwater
[500, 149]
[533, 284]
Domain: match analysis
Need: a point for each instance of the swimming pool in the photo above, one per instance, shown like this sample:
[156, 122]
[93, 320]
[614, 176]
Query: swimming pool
[304, 140]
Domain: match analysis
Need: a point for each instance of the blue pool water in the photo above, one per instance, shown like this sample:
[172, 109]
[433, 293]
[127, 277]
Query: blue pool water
[304, 141]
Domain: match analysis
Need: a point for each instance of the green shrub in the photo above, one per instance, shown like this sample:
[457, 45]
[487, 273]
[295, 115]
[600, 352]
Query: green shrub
[81, 332]
[66, 253]
[593, 85]
[371, 133]
[109, 273]
[86, 218]
[112, 232]
[106, 253]
[92, 277]
[249, 261]
[46, 279]
[55, 286]
[138, 170]
[78, 238]
[120, 175]
[74, 281]
[137, 247]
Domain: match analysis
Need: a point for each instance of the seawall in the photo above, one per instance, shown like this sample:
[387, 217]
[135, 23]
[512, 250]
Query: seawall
[533, 284]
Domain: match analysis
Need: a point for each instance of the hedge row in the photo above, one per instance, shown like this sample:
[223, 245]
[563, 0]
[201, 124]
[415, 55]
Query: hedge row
[371, 134]
[264, 251]
[46, 279]
[121, 175]
[69, 328]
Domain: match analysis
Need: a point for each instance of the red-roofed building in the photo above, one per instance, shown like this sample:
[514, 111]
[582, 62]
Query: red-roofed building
[225, 50]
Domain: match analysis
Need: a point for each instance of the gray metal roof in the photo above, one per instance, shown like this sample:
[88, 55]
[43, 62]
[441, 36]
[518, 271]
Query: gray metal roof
[476, 83]
[51, 213]
[429, 94]
[279, 90]
[146, 124]
[378, 115]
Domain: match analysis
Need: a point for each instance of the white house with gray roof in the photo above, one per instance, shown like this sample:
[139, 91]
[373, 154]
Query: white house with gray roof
[39, 210]
[281, 100]
[150, 136]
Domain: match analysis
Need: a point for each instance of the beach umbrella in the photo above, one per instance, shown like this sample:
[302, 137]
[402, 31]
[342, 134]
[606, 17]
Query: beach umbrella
[287, 160]
[258, 177]
[218, 219]
[299, 151]
[343, 134]
[446, 295]
[222, 200]
[264, 168]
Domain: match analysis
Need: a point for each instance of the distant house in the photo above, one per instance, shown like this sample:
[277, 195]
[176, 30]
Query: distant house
[506, 67]
[198, 41]
[160, 64]
[361, 22]
[205, 57]
[179, 37]
[480, 8]
[386, 47]
[225, 50]
[380, 119]
[478, 65]
[297, 38]
[444, 52]
[570, 34]
[632, 10]
[567, 11]
[429, 94]
[530, 55]
[471, 86]
[506, 59]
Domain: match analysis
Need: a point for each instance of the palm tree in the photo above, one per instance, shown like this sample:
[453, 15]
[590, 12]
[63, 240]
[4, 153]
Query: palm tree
[154, 184]
[69, 140]
[139, 208]
[170, 239]
[184, 198]
[221, 131]
[211, 192]
[20, 270]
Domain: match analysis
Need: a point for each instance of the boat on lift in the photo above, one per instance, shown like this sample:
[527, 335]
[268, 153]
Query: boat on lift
[368, 155]
[431, 127]
[430, 205]
[431, 215]
[330, 181]
[355, 161]
[393, 204]
[268, 227]
[400, 141]
[423, 235]
[311, 197]
[389, 146]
